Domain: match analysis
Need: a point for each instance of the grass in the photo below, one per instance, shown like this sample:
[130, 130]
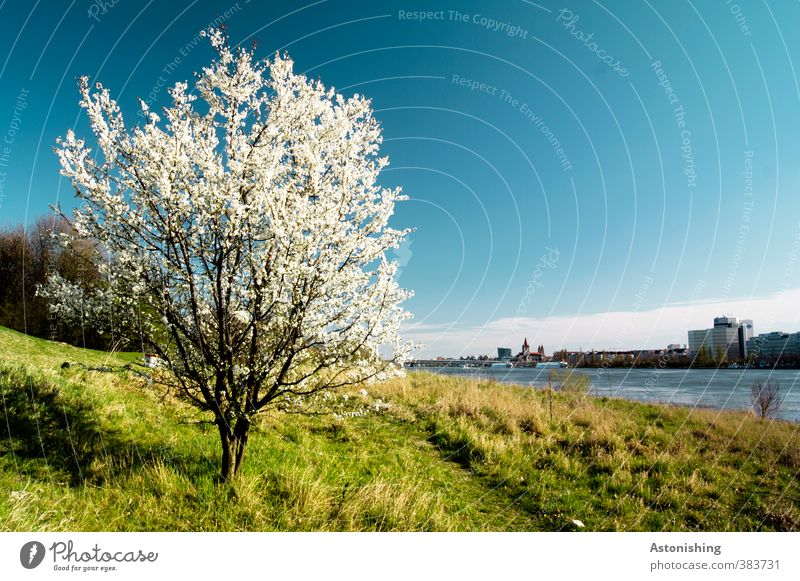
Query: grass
[82, 449]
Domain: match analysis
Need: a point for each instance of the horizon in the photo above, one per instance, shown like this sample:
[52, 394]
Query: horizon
[617, 327]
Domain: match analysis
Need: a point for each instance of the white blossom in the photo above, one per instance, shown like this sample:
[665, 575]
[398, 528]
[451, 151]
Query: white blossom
[245, 237]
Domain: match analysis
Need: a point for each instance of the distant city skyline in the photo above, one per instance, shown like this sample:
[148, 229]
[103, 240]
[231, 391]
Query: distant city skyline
[613, 330]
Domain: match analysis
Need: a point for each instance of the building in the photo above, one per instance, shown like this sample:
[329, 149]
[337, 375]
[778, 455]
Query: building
[504, 353]
[528, 357]
[677, 349]
[774, 346]
[726, 340]
[608, 358]
[745, 333]
[631, 358]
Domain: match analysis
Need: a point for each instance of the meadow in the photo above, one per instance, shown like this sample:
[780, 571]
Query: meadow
[96, 445]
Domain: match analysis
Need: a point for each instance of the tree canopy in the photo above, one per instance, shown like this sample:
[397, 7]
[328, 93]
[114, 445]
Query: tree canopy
[244, 237]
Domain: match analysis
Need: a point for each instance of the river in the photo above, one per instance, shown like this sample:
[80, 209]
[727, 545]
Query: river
[707, 388]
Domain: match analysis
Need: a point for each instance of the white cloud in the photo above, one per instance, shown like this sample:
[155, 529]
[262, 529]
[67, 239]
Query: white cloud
[653, 328]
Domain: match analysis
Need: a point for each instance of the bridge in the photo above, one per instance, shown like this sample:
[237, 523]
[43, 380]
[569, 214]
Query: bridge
[456, 363]
[475, 363]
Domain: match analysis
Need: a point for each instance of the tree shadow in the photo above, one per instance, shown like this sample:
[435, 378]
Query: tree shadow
[42, 426]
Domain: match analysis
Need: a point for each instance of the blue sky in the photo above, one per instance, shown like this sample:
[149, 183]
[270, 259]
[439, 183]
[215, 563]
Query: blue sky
[589, 174]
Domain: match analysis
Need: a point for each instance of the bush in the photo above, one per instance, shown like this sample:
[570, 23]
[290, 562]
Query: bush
[27, 257]
[766, 395]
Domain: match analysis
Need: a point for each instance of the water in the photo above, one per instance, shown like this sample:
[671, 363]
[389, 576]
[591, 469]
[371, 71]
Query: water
[708, 388]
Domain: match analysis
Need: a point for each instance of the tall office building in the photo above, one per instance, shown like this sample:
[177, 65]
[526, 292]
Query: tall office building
[727, 339]
[504, 353]
[745, 333]
[774, 346]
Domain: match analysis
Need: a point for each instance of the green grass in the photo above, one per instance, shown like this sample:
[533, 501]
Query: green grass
[94, 450]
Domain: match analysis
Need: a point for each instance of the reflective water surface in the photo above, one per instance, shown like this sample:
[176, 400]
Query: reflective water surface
[715, 388]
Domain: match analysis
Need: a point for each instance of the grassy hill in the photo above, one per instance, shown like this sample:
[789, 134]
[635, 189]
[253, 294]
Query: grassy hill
[89, 449]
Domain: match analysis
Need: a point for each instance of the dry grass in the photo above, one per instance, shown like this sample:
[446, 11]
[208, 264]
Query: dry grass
[100, 451]
[617, 465]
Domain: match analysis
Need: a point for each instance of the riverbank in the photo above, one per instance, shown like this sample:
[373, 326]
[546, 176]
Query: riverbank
[107, 451]
[728, 389]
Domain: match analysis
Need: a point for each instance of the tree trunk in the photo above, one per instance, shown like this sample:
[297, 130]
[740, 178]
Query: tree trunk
[240, 433]
[234, 443]
[228, 454]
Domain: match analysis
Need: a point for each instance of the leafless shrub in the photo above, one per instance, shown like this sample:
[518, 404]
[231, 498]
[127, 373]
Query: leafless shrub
[766, 394]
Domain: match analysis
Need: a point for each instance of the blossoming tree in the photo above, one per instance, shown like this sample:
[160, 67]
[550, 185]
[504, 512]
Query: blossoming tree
[244, 240]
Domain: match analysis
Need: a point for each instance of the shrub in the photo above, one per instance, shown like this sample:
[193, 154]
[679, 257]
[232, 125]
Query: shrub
[766, 394]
